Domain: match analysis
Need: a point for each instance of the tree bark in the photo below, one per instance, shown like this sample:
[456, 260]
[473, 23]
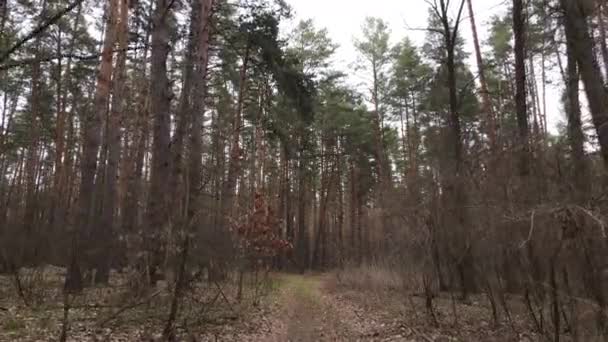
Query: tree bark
[198, 110]
[303, 238]
[59, 207]
[591, 74]
[88, 169]
[576, 137]
[184, 112]
[486, 102]
[157, 215]
[519, 32]
[602, 29]
[114, 139]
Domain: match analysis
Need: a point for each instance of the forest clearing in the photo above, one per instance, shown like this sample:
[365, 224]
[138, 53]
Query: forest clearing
[303, 170]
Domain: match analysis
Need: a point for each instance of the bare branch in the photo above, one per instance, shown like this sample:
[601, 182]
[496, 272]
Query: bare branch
[39, 30]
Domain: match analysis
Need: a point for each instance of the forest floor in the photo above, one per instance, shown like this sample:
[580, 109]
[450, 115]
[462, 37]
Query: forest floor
[287, 307]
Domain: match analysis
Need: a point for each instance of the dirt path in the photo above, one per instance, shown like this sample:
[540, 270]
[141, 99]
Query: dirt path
[307, 312]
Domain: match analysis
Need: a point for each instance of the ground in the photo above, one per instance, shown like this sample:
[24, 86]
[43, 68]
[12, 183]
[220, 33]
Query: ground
[283, 307]
[307, 311]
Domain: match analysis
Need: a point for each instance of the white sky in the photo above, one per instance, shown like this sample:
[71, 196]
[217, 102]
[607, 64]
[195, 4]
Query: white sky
[343, 19]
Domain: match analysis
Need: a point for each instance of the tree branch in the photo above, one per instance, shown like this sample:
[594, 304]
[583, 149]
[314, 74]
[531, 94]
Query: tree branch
[29, 61]
[39, 30]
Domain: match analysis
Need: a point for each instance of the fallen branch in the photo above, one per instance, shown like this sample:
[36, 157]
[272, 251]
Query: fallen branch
[418, 332]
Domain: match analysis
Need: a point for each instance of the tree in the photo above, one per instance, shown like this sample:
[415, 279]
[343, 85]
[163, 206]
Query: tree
[485, 95]
[519, 32]
[577, 34]
[455, 192]
[409, 82]
[160, 98]
[374, 48]
[92, 129]
[575, 131]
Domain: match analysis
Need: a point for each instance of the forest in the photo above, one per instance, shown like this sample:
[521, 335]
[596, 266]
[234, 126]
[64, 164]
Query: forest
[205, 170]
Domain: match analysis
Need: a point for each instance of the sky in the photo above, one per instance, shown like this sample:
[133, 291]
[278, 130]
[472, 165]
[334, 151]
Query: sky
[343, 20]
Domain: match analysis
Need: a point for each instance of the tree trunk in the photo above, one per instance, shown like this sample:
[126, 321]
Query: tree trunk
[486, 102]
[602, 29]
[59, 211]
[160, 98]
[88, 169]
[114, 139]
[303, 239]
[184, 113]
[131, 207]
[591, 74]
[519, 31]
[575, 131]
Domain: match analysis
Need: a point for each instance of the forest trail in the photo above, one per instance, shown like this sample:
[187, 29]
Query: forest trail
[307, 311]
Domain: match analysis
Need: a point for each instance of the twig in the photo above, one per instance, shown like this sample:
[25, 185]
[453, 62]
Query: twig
[219, 288]
[597, 220]
[418, 332]
[531, 230]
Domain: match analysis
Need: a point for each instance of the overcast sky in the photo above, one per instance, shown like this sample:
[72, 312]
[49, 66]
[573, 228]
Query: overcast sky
[343, 19]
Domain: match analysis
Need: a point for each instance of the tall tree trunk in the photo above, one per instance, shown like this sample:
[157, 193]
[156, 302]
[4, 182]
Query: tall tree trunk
[199, 92]
[184, 112]
[198, 109]
[88, 169]
[302, 246]
[519, 31]
[577, 32]
[405, 142]
[58, 215]
[575, 131]
[157, 215]
[602, 28]
[31, 167]
[380, 153]
[33, 154]
[486, 102]
[114, 139]
[455, 190]
[235, 145]
[131, 208]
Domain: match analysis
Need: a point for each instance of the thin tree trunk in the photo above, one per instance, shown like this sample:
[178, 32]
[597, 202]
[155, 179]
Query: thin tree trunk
[303, 238]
